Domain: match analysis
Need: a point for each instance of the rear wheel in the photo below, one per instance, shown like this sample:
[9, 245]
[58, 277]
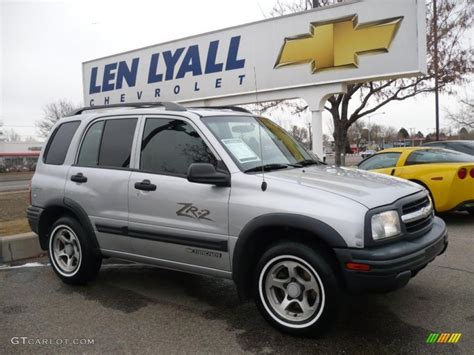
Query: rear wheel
[70, 252]
[296, 289]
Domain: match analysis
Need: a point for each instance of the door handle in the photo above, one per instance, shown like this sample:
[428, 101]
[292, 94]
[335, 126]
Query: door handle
[145, 185]
[393, 172]
[79, 178]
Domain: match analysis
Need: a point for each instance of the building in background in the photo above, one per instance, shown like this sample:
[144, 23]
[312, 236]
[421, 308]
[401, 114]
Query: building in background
[19, 156]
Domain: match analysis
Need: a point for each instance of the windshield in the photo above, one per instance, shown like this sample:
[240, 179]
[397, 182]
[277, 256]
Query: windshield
[240, 136]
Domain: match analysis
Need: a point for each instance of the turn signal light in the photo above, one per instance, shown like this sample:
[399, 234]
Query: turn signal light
[357, 267]
[472, 173]
[462, 173]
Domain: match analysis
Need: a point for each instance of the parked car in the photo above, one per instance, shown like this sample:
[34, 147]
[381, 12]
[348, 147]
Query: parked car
[226, 193]
[466, 146]
[447, 175]
[367, 153]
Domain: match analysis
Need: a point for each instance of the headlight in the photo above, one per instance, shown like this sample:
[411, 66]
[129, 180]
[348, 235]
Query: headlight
[385, 225]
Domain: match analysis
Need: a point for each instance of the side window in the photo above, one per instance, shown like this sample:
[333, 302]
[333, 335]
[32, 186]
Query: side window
[421, 157]
[463, 148]
[58, 144]
[380, 161]
[108, 143]
[437, 156]
[170, 146]
[116, 145]
[89, 153]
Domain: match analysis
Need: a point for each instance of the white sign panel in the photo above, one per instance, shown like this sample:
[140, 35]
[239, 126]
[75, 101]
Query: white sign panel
[357, 41]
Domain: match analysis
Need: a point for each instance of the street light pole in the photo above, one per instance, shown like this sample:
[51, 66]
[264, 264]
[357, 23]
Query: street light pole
[435, 63]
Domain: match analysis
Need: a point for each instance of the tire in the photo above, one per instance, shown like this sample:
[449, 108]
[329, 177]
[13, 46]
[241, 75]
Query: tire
[471, 211]
[303, 276]
[71, 253]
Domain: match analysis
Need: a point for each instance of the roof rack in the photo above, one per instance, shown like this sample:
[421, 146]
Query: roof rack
[169, 106]
[232, 108]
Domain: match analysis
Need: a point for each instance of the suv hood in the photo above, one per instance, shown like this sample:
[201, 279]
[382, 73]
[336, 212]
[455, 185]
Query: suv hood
[369, 189]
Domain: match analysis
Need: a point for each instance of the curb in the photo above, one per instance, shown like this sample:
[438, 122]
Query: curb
[19, 246]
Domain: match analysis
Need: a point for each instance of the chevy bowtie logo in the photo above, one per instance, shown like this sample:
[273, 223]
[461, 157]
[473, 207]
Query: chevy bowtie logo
[338, 43]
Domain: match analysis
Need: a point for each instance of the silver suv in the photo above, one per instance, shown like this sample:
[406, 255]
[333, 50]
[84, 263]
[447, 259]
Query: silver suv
[222, 192]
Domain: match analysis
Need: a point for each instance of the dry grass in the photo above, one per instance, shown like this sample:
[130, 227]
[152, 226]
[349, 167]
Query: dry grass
[13, 213]
[15, 226]
[16, 176]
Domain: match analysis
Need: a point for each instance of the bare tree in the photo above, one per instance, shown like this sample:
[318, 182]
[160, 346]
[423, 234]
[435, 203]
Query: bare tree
[389, 134]
[301, 135]
[11, 136]
[464, 116]
[285, 7]
[52, 113]
[2, 133]
[357, 134]
[455, 17]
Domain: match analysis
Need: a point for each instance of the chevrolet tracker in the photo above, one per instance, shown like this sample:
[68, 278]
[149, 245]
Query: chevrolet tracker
[222, 192]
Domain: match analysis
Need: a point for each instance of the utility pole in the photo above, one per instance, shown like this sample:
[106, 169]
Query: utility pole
[435, 60]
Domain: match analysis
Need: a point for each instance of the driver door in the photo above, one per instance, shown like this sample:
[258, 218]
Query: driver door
[174, 221]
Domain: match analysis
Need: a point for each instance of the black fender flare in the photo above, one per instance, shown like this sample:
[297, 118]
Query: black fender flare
[240, 261]
[77, 211]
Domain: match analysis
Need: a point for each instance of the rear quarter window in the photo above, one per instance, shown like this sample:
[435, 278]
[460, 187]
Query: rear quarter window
[59, 143]
[435, 156]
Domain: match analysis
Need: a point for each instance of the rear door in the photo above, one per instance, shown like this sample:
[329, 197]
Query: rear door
[177, 223]
[98, 181]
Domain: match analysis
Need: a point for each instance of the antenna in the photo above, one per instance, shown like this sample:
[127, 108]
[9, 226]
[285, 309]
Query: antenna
[264, 183]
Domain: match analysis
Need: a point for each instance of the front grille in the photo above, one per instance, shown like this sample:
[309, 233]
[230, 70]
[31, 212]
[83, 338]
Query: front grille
[418, 226]
[413, 227]
[415, 205]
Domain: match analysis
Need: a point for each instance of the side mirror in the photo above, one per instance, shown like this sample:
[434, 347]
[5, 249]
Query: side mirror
[204, 173]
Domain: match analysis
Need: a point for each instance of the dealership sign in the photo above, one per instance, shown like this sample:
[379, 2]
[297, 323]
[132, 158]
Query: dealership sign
[357, 41]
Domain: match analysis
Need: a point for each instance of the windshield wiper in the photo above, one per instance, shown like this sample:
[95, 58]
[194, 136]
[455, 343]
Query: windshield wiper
[267, 167]
[308, 162]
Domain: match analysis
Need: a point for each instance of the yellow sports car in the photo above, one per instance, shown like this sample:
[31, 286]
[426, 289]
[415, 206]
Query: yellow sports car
[447, 175]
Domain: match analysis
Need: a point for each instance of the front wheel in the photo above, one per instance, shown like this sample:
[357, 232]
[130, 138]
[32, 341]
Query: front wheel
[296, 289]
[70, 252]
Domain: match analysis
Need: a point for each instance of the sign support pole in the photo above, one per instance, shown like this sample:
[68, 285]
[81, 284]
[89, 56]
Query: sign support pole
[316, 98]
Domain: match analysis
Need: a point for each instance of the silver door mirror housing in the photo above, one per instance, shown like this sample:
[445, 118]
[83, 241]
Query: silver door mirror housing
[204, 173]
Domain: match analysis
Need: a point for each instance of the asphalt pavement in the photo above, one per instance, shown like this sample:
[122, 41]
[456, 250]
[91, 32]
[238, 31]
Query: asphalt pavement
[134, 308]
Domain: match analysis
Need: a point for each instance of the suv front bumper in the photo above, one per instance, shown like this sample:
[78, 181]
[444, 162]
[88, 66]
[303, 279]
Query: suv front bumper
[392, 265]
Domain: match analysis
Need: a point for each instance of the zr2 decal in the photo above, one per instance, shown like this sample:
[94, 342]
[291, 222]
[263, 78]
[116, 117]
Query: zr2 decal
[188, 210]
